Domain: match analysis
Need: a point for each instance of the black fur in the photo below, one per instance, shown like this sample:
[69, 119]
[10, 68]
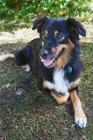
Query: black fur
[26, 55]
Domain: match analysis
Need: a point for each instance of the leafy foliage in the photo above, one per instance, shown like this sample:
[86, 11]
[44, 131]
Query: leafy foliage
[26, 9]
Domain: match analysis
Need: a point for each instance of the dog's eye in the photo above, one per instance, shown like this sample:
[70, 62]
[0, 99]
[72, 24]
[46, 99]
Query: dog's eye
[59, 35]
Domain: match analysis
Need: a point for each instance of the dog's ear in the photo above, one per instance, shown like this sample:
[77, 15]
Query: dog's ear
[76, 26]
[38, 23]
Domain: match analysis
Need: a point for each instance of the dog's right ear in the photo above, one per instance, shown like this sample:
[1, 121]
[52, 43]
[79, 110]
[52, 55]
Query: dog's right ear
[38, 23]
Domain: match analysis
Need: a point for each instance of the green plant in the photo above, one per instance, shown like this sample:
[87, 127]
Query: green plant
[26, 9]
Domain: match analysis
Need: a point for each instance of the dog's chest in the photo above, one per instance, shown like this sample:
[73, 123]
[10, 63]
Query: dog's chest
[60, 83]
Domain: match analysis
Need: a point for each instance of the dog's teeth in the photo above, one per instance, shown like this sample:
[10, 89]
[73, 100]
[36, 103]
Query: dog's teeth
[42, 60]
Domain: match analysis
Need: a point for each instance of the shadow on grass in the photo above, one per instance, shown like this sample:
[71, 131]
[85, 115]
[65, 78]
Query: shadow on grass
[11, 25]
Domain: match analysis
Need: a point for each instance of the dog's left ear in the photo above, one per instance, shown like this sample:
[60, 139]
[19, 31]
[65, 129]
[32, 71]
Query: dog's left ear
[38, 23]
[76, 26]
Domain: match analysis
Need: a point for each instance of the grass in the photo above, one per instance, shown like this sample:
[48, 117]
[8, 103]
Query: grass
[34, 115]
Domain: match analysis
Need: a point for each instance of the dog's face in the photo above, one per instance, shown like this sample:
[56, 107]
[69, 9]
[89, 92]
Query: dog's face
[59, 38]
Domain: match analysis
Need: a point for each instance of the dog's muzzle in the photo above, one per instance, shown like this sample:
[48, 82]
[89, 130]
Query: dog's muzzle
[50, 62]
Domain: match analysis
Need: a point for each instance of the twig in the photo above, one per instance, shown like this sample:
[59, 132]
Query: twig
[81, 135]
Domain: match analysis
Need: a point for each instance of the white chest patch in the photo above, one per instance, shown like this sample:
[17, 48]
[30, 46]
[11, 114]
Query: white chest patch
[60, 84]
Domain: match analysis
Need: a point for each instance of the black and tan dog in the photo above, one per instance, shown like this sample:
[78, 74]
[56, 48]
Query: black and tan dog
[56, 56]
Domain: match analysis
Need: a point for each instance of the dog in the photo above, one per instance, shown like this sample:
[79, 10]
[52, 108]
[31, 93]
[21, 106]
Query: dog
[55, 56]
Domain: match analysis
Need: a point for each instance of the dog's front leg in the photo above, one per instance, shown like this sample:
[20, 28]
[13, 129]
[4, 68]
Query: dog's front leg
[6, 56]
[80, 118]
[61, 99]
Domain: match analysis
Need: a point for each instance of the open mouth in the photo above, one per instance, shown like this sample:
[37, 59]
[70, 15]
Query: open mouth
[50, 63]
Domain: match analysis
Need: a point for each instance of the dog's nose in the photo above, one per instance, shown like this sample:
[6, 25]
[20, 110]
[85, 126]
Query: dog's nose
[44, 53]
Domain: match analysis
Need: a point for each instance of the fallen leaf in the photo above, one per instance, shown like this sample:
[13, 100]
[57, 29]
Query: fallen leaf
[19, 92]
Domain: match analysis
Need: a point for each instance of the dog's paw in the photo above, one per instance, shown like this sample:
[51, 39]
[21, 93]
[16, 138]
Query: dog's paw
[81, 120]
[28, 69]
[1, 58]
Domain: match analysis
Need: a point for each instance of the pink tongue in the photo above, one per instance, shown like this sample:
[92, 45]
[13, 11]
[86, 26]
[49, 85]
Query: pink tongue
[48, 62]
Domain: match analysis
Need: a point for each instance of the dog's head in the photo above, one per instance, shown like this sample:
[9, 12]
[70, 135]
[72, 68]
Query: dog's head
[59, 38]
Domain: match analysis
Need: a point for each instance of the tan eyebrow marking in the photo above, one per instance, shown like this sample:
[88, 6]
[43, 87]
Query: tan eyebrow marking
[55, 32]
[64, 58]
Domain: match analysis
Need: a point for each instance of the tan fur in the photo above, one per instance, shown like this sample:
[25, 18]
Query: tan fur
[75, 83]
[44, 84]
[22, 66]
[10, 55]
[44, 36]
[61, 99]
[62, 61]
[58, 48]
[77, 105]
[42, 43]
[6, 56]
[56, 32]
